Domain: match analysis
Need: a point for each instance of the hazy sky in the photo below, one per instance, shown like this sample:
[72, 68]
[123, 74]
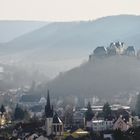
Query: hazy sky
[65, 10]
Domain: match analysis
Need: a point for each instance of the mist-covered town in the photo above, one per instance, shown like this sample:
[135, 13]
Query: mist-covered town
[35, 108]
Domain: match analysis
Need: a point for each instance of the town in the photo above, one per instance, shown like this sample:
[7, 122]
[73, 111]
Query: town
[34, 113]
[44, 121]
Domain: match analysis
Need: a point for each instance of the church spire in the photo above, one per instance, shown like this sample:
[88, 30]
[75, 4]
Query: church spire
[48, 100]
[48, 109]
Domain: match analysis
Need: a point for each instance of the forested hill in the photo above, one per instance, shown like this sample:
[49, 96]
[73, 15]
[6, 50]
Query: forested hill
[102, 77]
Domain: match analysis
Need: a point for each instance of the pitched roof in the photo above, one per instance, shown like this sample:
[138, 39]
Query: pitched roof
[56, 119]
[30, 98]
[99, 50]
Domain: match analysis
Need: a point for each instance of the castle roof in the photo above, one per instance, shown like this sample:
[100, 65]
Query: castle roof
[99, 49]
[130, 48]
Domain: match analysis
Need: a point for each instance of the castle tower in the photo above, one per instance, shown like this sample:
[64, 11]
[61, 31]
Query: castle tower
[49, 116]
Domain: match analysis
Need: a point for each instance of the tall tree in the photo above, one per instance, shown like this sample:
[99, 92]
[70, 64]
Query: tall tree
[107, 111]
[89, 113]
[68, 115]
[137, 108]
[19, 113]
[2, 109]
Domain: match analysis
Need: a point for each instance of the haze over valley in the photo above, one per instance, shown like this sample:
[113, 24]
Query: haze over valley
[60, 46]
[58, 53]
[69, 70]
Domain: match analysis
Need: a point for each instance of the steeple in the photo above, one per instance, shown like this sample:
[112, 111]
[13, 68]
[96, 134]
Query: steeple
[48, 100]
[52, 122]
[48, 109]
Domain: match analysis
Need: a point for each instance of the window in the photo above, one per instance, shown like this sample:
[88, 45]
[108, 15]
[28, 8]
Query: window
[60, 127]
[54, 128]
[57, 127]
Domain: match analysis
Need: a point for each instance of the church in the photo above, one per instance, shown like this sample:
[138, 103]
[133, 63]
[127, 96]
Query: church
[53, 124]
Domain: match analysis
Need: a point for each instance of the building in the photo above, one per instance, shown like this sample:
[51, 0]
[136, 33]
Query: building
[136, 121]
[122, 124]
[130, 51]
[100, 125]
[78, 119]
[53, 124]
[120, 119]
[57, 126]
[100, 51]
[115, 48]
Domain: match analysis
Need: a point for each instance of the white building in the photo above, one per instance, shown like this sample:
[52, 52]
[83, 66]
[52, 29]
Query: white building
[101, 125]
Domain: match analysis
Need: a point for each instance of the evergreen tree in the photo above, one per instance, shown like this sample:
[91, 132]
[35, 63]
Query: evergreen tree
[19, 113]
[89, 113]
[106, 111]
[2, 109]
[137, 108]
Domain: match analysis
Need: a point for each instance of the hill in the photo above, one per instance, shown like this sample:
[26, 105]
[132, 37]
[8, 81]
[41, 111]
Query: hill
[10, 30]
[63, 45]
[103, 78]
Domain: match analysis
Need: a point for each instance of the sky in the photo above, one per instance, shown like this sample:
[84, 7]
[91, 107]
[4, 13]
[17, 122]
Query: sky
[65, 10]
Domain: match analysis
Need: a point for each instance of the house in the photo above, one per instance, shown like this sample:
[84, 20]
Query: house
[78, 119]
[136, 121]
[102, 125]
[99, 125]
[122, 124]
[29, 100]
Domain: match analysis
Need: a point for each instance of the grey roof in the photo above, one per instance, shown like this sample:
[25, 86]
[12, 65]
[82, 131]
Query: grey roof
[130, 48]
[30, 98]
[56, 119]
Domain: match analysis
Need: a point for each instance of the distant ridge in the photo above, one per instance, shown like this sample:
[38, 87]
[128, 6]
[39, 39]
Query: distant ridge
[10, 29]
[59, 43]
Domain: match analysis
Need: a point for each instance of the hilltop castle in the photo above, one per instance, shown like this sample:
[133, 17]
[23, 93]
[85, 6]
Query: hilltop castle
[115, 48]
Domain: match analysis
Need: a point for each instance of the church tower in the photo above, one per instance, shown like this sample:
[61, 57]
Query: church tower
[49, 116]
